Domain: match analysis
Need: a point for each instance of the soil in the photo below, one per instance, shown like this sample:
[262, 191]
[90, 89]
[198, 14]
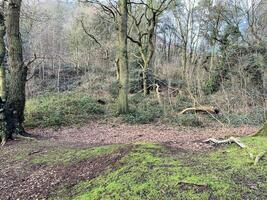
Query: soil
[21, 180]
[187, 138]
[37, 181]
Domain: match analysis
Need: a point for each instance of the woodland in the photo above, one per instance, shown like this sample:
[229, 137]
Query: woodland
[133, 99]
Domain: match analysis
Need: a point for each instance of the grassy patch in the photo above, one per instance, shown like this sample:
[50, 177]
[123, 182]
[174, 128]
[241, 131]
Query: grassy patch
[71, 155]
[61, 109]
[149, 171]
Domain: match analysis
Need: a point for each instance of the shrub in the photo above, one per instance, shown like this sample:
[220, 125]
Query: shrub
[61, 109]
[144, 109]
[114, 89]
[257, 116]
[138, 117]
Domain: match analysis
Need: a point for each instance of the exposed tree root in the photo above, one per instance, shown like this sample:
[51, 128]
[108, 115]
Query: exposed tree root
[3, 141]
[24, 137]
[227, 141]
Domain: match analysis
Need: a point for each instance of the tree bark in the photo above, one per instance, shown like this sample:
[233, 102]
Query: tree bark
[18, 71]
[123, 106]
[3, 131]
[2, 55]
[145, 80]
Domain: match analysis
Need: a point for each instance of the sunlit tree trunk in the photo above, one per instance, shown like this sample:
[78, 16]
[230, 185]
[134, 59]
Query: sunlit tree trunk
[123, 59]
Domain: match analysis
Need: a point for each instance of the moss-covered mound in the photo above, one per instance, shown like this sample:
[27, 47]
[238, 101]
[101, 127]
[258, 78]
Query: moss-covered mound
[152, 171]
[135, 171]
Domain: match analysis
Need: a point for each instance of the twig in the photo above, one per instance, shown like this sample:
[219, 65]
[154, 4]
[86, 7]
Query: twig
[89, 34]
[31, 61]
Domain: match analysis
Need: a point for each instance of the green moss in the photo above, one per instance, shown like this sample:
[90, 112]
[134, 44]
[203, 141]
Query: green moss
[141, 174]
[150, 171]
[71, 155]
[61, 109]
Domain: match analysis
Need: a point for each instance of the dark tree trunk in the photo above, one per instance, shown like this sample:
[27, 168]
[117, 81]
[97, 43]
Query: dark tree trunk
[2, 54]
[3, 131]
[18, 71]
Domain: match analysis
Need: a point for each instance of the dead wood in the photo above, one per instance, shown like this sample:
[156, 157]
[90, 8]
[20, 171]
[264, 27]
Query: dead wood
[259, 157]
[201, 109]
[226, 141]
[237, 141]
[158, 94]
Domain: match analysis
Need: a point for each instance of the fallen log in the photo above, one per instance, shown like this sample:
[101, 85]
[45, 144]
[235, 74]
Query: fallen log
[226, 141]
[201, 109]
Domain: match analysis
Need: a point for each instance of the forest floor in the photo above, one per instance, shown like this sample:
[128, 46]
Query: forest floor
[120, 161]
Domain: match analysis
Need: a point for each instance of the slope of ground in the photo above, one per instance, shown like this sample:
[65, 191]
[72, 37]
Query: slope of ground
[131, 162]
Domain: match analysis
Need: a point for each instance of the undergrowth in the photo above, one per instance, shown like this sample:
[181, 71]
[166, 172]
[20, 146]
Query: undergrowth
[57, 109]
[61, 109]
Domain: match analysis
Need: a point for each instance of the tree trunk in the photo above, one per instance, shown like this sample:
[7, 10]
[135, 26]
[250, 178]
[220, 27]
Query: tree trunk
[2, 57]
[123, 106]
[3, 131]
[18, 71]
[184, 62]
[145, 80]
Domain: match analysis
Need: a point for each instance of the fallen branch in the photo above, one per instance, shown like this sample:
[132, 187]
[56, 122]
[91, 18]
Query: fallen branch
[227, 141]
[201, 109]
[259, 157]
[237, 141]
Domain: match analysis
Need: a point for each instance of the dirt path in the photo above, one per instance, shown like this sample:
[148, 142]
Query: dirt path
[182, 137]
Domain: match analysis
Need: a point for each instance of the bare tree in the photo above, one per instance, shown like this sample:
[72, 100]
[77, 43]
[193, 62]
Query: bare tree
[145, 17]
